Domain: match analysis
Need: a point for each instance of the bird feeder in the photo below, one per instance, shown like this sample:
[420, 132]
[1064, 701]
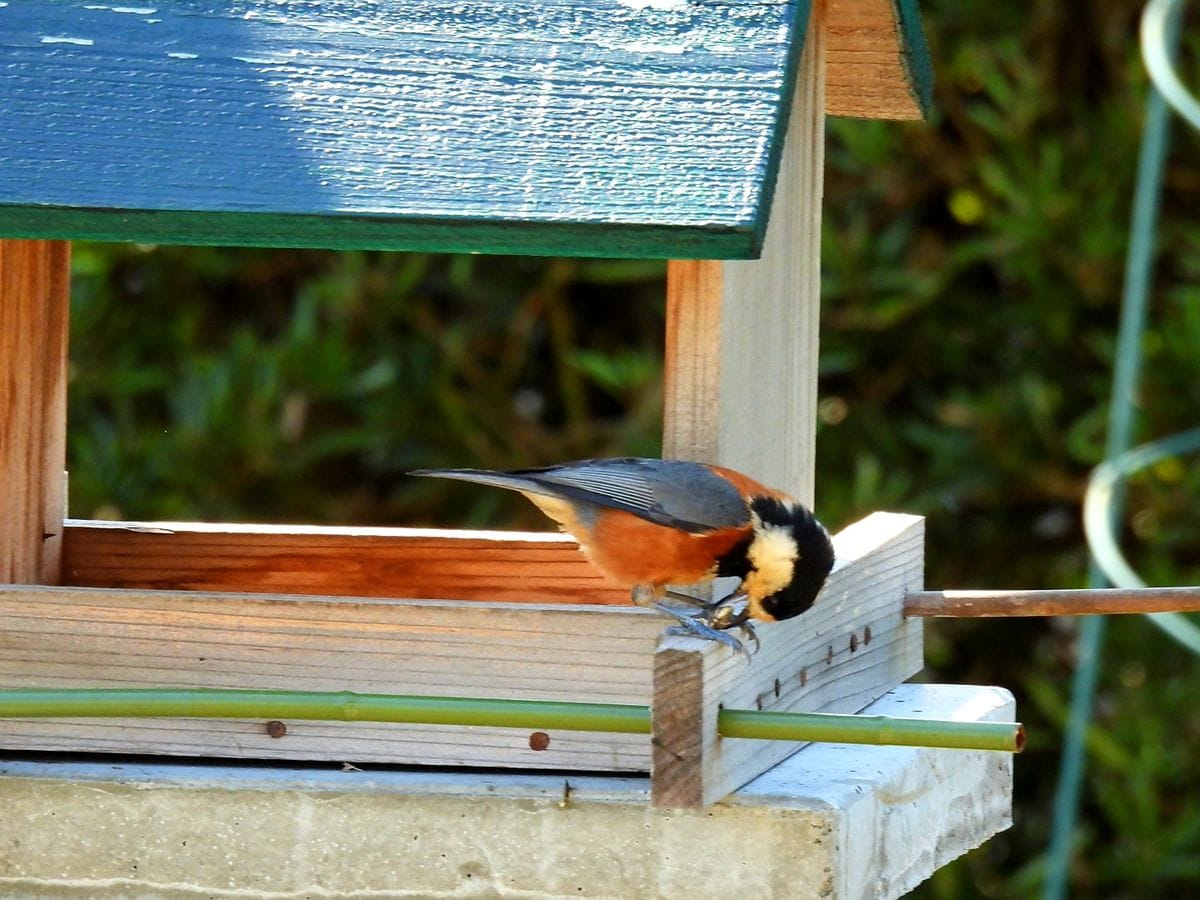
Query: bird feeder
[691, 131]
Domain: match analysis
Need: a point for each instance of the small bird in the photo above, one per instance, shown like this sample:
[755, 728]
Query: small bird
[650, 523]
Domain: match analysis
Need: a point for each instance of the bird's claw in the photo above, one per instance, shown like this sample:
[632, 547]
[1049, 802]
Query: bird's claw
[698, 626]
[723, 616]
[750, 634]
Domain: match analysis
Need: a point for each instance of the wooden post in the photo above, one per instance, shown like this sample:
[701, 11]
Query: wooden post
[34, 295]
[741, 357]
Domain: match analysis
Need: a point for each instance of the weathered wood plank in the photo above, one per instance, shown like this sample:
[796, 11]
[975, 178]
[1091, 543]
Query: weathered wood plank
[849, 649]
[409, 563]
[122, 638]
[588, 127]
[878, 63]
[741, 359]
[34, 285]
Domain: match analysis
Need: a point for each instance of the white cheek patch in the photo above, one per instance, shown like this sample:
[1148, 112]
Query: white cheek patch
[772, 556]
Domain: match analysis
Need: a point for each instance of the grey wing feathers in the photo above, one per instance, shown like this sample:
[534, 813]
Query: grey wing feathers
[677, 493]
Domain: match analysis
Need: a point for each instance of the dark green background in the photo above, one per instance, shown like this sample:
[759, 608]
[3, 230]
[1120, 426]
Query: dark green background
[972, 272]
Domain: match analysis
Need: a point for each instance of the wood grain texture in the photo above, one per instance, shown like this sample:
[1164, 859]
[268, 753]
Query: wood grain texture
[34, 285]
[97, 637]
[90, 637]
[742, 337]
[878, 62]
[406, 563]
[692, 361]
[848, 650]
[581, 126]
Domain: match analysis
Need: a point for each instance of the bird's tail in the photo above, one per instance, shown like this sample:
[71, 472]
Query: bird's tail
[509, 480]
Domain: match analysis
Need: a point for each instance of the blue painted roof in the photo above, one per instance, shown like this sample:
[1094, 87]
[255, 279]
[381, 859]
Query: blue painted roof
[605, 127]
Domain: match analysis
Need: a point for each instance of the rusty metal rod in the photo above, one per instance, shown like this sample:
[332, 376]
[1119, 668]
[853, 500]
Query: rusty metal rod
[1081, 602]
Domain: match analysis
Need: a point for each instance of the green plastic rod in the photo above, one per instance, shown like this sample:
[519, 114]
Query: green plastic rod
[854, 729]
[344, 705]
[539, 714]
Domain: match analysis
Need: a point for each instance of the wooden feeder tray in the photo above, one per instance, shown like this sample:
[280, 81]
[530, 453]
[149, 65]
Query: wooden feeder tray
[247, 607]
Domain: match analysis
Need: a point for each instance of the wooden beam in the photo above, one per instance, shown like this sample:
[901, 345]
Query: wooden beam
[1081, 602]
[692, 361]
[741, 356]
[849, 649]
[34, 299]
[514, 567]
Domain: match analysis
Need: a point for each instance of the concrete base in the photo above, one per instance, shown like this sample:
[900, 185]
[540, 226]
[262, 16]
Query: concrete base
[833, 821]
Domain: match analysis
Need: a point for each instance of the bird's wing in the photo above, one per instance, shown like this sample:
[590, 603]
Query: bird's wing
[680, 494]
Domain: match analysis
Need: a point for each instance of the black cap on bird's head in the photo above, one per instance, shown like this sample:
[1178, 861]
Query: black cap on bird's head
[784, 563]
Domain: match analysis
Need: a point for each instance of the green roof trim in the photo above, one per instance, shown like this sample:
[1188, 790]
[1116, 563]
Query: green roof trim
[918, 64]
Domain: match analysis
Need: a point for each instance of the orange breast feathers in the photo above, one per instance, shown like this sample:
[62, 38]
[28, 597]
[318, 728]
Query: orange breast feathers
[632, 551]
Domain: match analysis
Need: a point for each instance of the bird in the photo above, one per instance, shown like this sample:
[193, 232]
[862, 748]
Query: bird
[651, 523]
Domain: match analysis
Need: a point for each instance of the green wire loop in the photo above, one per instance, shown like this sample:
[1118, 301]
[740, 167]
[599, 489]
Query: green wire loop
[1098, 504]
[1160, 19]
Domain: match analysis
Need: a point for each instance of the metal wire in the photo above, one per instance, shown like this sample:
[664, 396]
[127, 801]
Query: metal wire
[1159, 31]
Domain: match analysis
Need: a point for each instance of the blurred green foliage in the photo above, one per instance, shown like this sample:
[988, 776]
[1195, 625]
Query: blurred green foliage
[972, 273]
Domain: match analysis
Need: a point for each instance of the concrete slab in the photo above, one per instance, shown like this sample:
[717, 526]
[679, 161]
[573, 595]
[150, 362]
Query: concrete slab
[833, 821]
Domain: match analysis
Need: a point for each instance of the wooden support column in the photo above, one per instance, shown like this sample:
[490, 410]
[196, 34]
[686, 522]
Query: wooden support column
[34, 294]
[741, 357]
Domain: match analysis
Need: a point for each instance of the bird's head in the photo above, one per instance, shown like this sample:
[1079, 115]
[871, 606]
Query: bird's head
[786, 561]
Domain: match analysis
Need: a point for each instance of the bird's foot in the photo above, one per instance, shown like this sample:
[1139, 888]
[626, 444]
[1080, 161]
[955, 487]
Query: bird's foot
[695, 626]
[725, 614]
